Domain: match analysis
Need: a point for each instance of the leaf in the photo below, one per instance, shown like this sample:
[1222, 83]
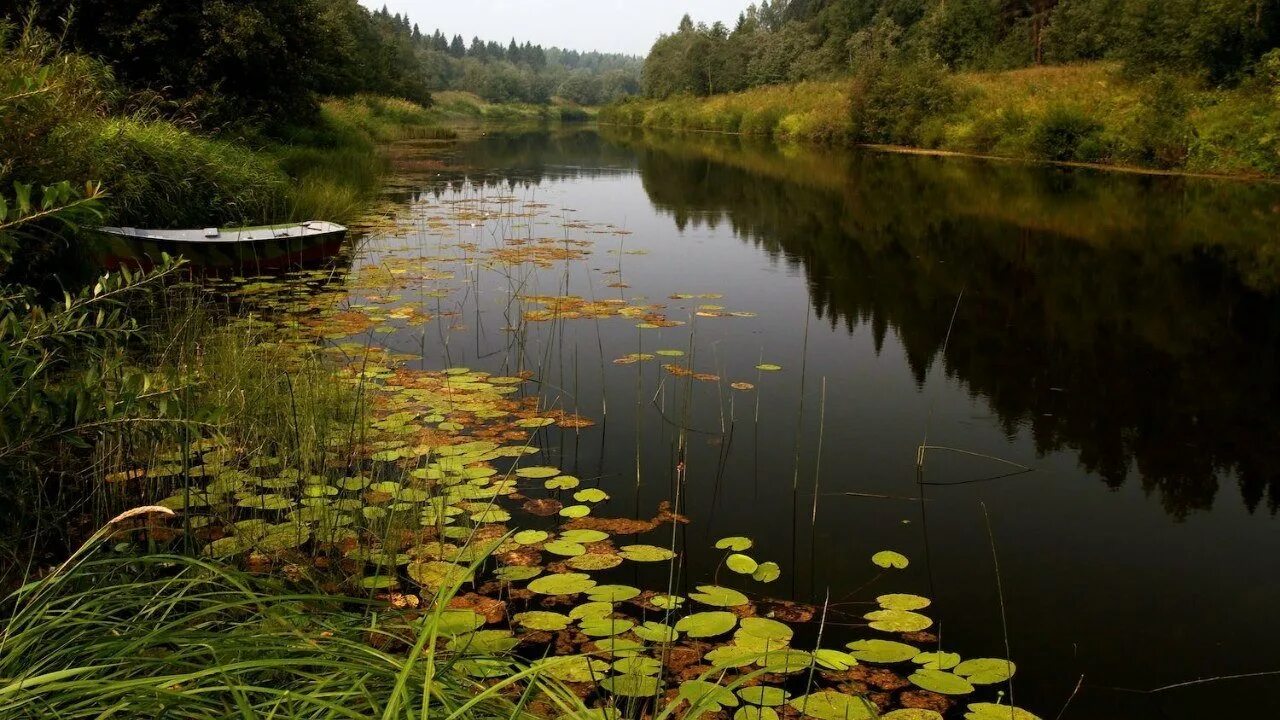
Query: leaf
[991, 711]
[591, 495]
[707, 624]
[752, 712]
[646, 553]
[769, 367]
[612, 593]
[775, 633]
[530, 537]
[735, 543]
[903, 602]
[562, 482]
[564, 548]
[666, 602]
[786, 660]
[767, 572]
[912, 714]
[881, 651]
[707, 696]
[764, 695]
[584, 536]
[574, 668]
[562, 584]
[631, 685]
[834, 659]
[741, 564]
[898, 621]
[719, 596]
[594, 561]
[830, 705]
[484, 642]
[591, 609]
[940, 681]
[731, 656]
[437, 574]
[575, 511]
[637, 666]
[937, 660]
[456, 622]
[537, 473]
[542, 620]
[890, 559]
[516, 573]
[605, 626]
[656, 632]
[986, 671]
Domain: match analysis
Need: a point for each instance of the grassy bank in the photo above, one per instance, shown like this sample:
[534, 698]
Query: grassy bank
[456, 106]
[1082, 113]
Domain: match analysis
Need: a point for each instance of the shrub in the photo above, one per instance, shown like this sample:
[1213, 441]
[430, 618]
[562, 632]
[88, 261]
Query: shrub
[892, 100]
[1066, 133]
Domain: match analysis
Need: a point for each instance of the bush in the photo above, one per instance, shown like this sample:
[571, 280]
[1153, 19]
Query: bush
[1067, 133]
[892, 100]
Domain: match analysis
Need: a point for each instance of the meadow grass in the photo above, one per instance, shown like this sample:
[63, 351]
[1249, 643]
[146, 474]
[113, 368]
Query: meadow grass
[1091, 113]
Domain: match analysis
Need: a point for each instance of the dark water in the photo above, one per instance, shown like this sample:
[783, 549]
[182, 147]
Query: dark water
[1117, 335]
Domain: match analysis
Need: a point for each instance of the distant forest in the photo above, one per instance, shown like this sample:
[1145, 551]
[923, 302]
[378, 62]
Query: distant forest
[226, 62]
[1220, 42]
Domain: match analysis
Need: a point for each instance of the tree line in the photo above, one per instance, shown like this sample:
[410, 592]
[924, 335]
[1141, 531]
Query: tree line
[256, 62]
[1219, 41]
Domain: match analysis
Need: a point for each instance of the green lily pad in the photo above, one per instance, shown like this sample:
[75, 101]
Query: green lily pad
[991, 711]
[437, 574]
[890, 559]
[562, 584]
[898, 621]
[517, 573]
[612, 593]
[605, 626]
[830, 705]
[785, 661]
[457, 622]
[764, 695]
[731, 656]
[542, 620]
[538, 472]
[591, 495]
[881, 652]
[378, 582]
[584, 536]
[837, 660]
[775, 633]
[484, 642]
[575, 511]
[656, 632]
[707, 696]
[594, 561]
[666, 602]
[719, 596]
[591, 609]
[986, 671]
[940, 681]
[912, 714]
[936, 660]
[899, 601]
[574, 668]
[741, 564]
[735, 543]
[646, 553]
[530, 537]
[755, 712]
[562, 482]
[707, 624]
[767, 572]
[564, 548]
[637, 666]
[631, 685]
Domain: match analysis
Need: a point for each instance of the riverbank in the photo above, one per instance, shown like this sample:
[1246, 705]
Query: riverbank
[1089, 113]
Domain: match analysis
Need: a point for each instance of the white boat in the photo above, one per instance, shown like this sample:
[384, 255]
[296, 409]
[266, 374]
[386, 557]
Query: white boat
[309, 231]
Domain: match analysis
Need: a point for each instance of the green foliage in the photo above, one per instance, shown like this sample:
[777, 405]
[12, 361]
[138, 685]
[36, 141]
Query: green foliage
[1067, 133]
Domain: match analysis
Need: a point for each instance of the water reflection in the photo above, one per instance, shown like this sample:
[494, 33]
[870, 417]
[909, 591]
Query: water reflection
[1132, 320]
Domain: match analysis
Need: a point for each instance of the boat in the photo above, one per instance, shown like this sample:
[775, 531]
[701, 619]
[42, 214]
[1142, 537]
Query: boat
[310, 230]
[240, 249]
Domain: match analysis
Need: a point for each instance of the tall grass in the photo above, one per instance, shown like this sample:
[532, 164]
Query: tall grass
[176, 637]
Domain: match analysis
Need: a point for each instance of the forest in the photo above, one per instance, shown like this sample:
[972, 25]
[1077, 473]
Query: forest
[1219, 42]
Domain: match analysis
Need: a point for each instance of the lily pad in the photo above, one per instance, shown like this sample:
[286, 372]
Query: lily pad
[631, 685]
[881, 652]
[830, 705]
[732, 656]
[562, 482]
[591, 495]
[575, 511]
[516, 573]
[937, 660]
[656, 632]
[767, 572]
[530, 537]
[542, 620]
[899, 601]
[735, 543]
[940, 681]
[666, 602]
[707, 696]
[986, 671]
[562, 584]
[564, 548]
[834, 659]
[584, 536]
[764, 695]
[574, 668]
[992, 711]
[890, 559]
[594, 561]
[612, 593]
[898, 621]
[591, 609]
[755, 712]
[776, 633]
[719, 596]
[537, 472]
[912, 714]
[741, 564]
[605, 626]
[646, 553]
[637, 666]
[707, 624]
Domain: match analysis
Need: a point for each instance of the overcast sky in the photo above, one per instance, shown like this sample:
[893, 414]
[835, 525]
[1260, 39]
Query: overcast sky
[628, 26]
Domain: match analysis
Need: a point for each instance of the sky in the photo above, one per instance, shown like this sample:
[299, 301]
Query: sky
[628, 26]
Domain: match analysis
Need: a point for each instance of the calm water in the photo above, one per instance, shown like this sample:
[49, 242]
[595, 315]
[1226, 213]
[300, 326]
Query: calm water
[1117, 335]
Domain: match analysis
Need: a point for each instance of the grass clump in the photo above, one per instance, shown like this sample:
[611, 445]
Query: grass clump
[177, 637]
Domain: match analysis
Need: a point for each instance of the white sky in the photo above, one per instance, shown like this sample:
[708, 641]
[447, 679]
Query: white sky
[628, 26]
